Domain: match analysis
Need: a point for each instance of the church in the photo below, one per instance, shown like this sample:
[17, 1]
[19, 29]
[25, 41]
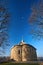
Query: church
[23, 52]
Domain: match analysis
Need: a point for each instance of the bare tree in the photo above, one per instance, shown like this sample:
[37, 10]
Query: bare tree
[4, 20]
[36, 19]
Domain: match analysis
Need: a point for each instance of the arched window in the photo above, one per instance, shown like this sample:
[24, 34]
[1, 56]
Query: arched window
[18, 51]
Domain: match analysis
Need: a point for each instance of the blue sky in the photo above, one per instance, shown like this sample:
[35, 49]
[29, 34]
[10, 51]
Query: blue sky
[20, 11]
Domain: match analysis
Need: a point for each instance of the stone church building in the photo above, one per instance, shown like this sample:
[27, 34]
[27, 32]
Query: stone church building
[23, 52]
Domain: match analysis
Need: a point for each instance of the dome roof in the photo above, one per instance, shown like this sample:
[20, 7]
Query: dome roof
[22, 43]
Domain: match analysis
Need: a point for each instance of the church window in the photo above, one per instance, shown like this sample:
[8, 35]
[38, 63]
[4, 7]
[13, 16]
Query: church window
[18, 51]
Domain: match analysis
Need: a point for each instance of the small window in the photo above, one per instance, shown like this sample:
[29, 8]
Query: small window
[18, 51]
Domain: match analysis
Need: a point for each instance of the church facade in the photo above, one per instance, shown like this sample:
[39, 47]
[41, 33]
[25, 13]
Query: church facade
[23, 52]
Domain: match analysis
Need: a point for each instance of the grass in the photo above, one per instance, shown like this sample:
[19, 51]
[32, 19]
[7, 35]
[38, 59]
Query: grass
[19, 64]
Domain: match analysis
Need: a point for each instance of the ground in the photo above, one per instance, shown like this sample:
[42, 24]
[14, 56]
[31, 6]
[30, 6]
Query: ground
[18, 63]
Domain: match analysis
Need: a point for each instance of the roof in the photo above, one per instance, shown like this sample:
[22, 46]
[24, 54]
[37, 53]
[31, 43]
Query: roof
[26, 44]
[22, 43]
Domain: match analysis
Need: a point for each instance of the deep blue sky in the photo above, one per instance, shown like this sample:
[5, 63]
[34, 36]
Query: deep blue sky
[20, 11]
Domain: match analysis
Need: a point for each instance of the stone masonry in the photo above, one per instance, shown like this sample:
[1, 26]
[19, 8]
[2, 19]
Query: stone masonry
[23, 52]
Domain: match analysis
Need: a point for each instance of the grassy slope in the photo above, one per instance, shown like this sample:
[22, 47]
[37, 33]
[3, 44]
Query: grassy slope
[18, 64]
